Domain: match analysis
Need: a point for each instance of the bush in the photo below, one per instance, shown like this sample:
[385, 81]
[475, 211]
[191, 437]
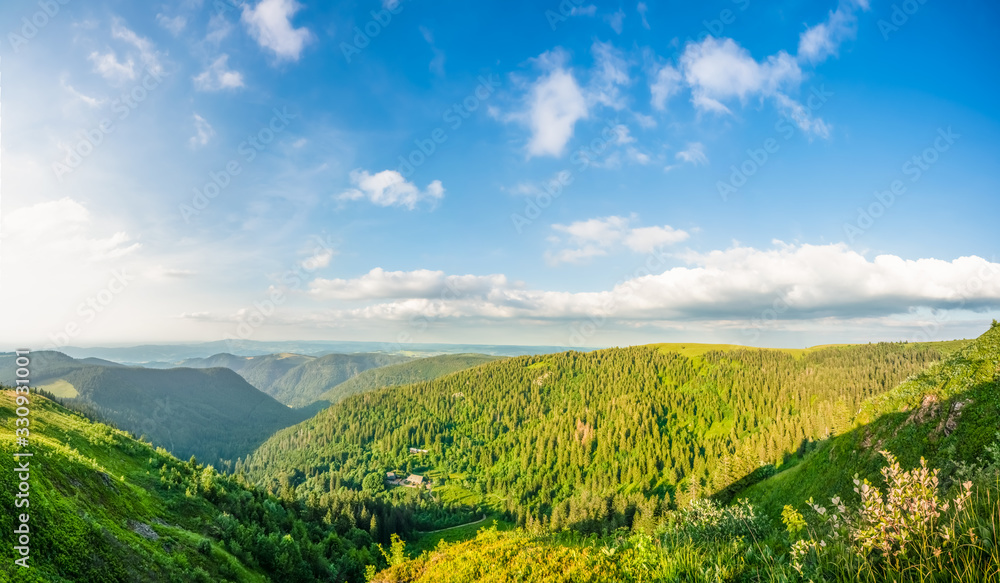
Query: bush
[707, 520]
[905, 533]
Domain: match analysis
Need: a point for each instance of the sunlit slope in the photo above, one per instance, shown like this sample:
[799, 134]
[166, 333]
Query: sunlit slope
[105, 507]
[947, 414]
[423, 369]
[556, 437]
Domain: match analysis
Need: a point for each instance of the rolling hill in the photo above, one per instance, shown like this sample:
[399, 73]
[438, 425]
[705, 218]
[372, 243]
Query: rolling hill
[103, 506]
[213, 414]
[423, 369]
[560, 438]
[830, 503]
[294, 379]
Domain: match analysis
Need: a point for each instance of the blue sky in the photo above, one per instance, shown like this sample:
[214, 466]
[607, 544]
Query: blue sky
[575, 173]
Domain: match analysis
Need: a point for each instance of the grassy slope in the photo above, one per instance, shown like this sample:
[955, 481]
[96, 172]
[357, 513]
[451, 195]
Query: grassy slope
[910, 421]
[88, 480]
[405, 373]
[693, 349]
[210, 413]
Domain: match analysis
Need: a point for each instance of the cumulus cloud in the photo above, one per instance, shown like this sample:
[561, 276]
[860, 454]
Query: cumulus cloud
[554, 104]
[218, 76]
[667, 83]
[109, 67]
[822, 41]
[269, 23]
[826, 283]
[718, 70]
[318, 260]
[583, 240]
[389, 188]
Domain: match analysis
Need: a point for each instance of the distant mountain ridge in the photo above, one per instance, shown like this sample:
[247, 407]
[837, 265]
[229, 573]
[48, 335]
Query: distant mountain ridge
[422, 369]
[213, 414]
[165, 355]
[295, 379]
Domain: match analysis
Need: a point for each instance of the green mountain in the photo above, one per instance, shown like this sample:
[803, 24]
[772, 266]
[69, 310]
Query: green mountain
[947, 414]
[594, 440]
[213, 414]
[294, 379]
[895, 523]
[423, 369]
[103, 506]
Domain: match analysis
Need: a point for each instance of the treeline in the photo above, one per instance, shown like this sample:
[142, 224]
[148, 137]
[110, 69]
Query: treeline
[592, 441]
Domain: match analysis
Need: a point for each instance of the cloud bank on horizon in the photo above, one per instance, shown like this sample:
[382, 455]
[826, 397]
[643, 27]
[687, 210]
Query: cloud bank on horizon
[584, 175]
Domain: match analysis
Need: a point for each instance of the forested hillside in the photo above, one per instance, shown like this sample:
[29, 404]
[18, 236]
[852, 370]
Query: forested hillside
[213, 414]
[105, 507]
[423, 369]
[948, 415]
[909, 493]
[294, 379]
[598, 439]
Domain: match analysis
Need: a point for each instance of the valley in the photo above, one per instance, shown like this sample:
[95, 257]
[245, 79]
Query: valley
[454, 461]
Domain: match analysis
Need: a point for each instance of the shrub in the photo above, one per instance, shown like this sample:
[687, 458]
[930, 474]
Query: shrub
[707, 520]
[907, 532]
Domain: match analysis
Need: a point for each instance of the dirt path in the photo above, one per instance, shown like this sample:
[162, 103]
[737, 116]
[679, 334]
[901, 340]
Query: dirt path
[423, 532]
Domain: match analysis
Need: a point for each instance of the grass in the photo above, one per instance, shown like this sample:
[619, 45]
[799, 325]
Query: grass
[61, 388]
[430, 541]
[694, 350]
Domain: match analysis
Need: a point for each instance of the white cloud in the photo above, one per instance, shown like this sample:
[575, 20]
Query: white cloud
[148, 55]
[219, 28]
[555, 103]
[389, 188]
[109, 67]
[218, 76]
[116, 70]
[641, 8]
[270, 25]
[648, 239]
[720, 70]
[609, 74]
[667, 83]
[69, 257]
[320, 259]
[203, 132]
[422, 283]
[822, 41]
[86, 99]
[437, 63]
[175, 25]
[645, 121]
[693, 154]
[802, 116]
[616, 21]
[818, 283]
[598, 237]
[588, 10]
